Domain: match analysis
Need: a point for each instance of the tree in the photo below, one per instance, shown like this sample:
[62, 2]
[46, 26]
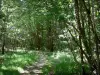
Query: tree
[3, 29]
[86, 36]
[67, 25]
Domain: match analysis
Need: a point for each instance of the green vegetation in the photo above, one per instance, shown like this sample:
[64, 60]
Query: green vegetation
[18, 59]
[62, 63]
[12, 61]
[61, 37]
[9, 72]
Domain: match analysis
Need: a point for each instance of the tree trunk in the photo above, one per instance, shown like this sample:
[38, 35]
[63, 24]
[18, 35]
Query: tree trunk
[82, 35]
[2, 29]
[3, 46]
[50, 45]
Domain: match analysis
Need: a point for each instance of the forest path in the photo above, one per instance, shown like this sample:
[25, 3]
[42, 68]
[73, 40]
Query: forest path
[35, 68]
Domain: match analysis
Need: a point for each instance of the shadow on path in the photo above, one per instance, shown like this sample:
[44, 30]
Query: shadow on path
[35, 68]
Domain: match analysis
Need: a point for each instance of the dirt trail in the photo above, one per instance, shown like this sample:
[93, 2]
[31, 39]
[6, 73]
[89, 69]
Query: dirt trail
[34, 69]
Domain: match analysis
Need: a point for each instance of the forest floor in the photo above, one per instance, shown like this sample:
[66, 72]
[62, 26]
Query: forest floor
[21, 62]
[35, 68]
[38, 63]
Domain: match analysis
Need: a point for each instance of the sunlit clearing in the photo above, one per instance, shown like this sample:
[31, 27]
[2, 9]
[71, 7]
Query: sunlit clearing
[60, 54]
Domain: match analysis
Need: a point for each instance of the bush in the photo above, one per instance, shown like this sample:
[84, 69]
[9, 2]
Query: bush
[62, 64]
[18, 59]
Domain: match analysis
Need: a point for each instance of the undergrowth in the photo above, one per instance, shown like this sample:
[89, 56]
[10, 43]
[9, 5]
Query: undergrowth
[62, 63]
[17, 59]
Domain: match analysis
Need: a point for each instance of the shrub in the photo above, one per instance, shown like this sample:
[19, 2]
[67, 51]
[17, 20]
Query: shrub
[62, 64]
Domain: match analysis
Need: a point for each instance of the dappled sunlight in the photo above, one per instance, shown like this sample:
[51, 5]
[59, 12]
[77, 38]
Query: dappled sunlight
[49, 37]
[18, 60]
[59, 54]
[62, 63]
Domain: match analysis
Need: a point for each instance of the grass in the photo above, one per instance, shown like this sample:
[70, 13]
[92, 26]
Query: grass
[62, 63]
[17, 59]
[58, 63]
[9, 72]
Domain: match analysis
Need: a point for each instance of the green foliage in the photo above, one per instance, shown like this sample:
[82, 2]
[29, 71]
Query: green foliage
[9, 72]
[62, 64]
[20, 59]
[50, 25]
